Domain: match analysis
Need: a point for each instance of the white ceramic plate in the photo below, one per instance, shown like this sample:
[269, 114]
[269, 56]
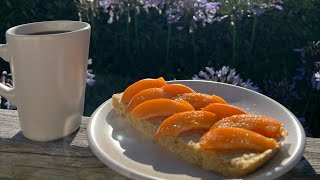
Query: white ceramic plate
[128, 152]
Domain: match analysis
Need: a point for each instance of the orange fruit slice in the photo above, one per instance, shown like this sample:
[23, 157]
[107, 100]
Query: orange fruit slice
[198, 100]
[235, 139]
[138, 86]
[145, 95]
[168, 92]
[175, 89]
[223, 110]
[263, 125]
[160, 107]
[219, 99]
[186, 121]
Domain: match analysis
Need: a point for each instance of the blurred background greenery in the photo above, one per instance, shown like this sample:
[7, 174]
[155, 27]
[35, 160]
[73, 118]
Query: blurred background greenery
[148, 46]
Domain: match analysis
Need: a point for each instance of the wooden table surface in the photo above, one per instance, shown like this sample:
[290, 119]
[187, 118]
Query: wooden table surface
[71, 157]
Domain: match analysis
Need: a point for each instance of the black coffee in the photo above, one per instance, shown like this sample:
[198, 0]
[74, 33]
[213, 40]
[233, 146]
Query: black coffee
[47, 32]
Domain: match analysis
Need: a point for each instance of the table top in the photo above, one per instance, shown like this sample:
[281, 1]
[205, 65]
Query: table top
[71, 157]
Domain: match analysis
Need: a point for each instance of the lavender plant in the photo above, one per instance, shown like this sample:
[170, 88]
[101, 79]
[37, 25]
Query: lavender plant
[308, 78]
[195, 11]
[310, 64]
[225, 75]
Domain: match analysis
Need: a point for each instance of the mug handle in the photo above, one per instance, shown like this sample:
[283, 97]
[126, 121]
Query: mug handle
[6, 91]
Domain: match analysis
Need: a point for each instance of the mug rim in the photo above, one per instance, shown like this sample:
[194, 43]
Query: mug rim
[82, 27]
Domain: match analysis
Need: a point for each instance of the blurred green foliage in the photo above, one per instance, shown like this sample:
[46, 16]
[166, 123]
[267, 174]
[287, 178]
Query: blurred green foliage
[155, 48]
[124, 52]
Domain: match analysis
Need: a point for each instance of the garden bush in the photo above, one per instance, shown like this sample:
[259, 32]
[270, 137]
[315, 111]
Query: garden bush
[260, 48]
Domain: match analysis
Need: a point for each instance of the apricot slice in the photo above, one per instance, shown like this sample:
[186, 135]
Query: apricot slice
[219, 99]
[168, 92]
[223, 110]
[197, 100]
[138, 86]
[175, 89]
[236, 139]
[263, 125]
[186, 121]
[160, 107]
[145, 95]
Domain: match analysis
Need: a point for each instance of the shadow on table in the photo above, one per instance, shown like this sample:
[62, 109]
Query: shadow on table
[19, 137]
[69, 145]
[303, 170]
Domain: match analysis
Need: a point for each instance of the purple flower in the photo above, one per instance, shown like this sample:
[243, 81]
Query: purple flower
[90, 81]
[6, 80]
[10, 106]
[258, 11]
[89, 61]
[225, 75]
[302, 51]
[315, 81]
[106, 4]
[279, 7]
[248, 8]
[173, 14]
[198, 11]
[202, 11]
[152, 3]
[310, 69]
[262, 5]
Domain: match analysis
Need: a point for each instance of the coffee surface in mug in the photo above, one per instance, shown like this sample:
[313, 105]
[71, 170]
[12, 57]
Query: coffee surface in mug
[47, 32]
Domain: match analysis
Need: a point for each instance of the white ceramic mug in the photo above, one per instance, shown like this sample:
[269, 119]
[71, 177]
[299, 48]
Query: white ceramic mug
[48, 62]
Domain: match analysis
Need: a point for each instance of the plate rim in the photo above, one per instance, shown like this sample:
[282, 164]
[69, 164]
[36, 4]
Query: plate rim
[127, 172]
[97, 151]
